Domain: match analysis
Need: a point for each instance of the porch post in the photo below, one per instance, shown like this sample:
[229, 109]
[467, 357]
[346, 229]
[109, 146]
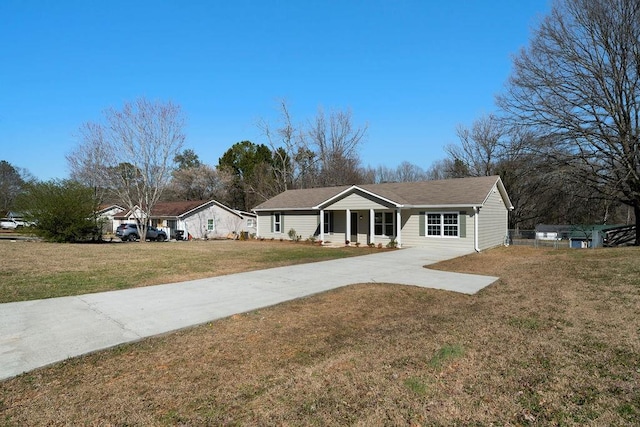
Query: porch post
[398, 228]
[372, 226]
[347, 234]
[322, 226]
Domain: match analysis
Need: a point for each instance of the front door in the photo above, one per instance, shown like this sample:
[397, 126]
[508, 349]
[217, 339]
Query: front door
[353, 233]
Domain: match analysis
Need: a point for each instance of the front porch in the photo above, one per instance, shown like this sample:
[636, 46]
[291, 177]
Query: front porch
[363, 226]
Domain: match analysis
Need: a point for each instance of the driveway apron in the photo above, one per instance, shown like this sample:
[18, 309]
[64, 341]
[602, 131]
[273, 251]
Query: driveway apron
[41, 332]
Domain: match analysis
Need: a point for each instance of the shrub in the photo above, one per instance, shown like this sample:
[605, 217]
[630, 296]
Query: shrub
[293, 236]
[63, 210]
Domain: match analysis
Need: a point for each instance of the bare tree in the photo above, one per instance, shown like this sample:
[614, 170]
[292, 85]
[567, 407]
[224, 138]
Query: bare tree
[131, 153]
[286, 142]
[200, 182]
[579, 80]
[404, 172]
[481, 146]
[336, 143]
[12, 182]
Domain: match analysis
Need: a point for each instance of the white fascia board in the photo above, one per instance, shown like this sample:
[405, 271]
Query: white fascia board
[220, 205]
[310, 208]
[457, 206]
[503, 193]
[351, 190]
[182, 215]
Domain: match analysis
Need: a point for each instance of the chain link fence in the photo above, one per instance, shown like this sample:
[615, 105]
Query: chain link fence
[530, 238]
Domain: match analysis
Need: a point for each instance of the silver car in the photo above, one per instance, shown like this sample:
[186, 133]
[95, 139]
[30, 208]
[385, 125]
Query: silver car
[129, 232]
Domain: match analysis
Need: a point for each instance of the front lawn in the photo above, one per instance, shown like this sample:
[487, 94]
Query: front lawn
[34, 270]
[556, 341]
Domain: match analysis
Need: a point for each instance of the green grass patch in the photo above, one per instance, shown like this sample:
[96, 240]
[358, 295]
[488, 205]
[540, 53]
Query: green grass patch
[416, 385]
[446, 353]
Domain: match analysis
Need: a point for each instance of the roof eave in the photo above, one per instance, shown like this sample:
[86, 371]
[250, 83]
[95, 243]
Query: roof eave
[503, 193]
[351, 190]
[446, 206]
[220, 205]
[310, 208]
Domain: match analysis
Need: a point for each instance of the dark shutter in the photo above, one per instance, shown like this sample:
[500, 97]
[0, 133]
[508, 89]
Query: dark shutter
[462, 223]
[421, 222]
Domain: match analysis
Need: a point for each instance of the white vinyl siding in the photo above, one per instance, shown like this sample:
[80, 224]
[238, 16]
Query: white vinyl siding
[411, 231]
[304, 222]
[356, 202]
[198, 223]
[493, 221]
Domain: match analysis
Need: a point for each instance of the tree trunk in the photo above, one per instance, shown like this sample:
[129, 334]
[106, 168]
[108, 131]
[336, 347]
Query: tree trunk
[636, 211]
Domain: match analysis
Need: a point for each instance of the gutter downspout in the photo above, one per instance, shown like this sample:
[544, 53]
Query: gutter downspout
[476, 223]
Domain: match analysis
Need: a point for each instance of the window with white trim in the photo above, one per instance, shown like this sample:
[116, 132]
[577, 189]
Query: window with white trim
[328, 222]
[210, 225]
[384, 223]
[443, 225]
[250, 222]
[277, 222]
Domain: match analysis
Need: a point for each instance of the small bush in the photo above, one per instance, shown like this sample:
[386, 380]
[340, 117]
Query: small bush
[294, 236]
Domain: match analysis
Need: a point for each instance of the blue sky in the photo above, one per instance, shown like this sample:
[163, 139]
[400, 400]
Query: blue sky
[412, 70]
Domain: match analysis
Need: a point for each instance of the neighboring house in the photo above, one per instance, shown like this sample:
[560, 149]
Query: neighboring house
[198, 219]
[107, 213]
[579, 236]
[552, 232]
[469, 213]
[588, 236]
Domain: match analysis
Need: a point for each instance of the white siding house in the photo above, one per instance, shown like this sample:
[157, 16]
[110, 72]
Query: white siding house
[107, 213]
[198, 219]
[469, 213]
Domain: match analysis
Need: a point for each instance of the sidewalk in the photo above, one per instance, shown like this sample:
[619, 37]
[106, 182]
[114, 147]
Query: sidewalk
[38, 333]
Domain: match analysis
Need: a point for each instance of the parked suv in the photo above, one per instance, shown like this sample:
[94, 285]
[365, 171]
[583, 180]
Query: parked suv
[129, 232]
[9, 224]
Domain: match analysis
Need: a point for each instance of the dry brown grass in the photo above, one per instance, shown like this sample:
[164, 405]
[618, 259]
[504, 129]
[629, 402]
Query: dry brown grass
[554, 342]
[33, 270]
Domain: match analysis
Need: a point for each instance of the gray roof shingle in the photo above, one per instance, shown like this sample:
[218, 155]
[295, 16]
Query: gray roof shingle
[460, 191]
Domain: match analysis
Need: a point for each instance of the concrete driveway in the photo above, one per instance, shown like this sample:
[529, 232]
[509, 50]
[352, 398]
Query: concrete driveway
[37, 333]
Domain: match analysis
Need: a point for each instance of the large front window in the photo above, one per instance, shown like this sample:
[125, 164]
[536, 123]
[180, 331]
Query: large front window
[443, 225]
[384, 224]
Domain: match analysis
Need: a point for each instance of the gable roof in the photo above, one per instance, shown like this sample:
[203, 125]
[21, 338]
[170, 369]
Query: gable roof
[181, 208]
[447, 192]
[107, 207]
